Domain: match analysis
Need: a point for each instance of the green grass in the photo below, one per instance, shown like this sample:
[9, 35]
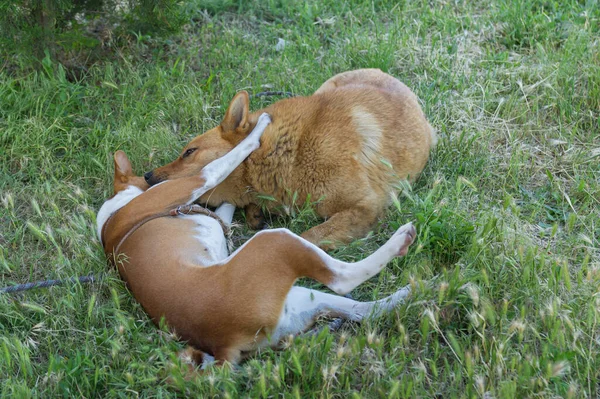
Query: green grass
[506, 268]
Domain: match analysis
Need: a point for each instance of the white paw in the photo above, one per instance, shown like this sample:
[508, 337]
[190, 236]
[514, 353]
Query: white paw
[259, 129]
[264, 118]
[407, 235]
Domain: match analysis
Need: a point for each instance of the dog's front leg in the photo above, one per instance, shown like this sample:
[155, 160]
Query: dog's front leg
[255, 217]
[225, 211]
[215, 172]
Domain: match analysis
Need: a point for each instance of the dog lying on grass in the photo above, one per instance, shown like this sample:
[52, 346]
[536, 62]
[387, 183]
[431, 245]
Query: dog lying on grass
[175, 261]
[346, 146]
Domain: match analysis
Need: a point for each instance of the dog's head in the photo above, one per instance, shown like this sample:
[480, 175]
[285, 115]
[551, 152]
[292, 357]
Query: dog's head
[210, 145]
[124, 176]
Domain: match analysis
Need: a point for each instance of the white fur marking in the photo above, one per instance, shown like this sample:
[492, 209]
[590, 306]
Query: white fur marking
[114, 204]
[303, 306]
[350, 277]
[371, 134]
[210, 234]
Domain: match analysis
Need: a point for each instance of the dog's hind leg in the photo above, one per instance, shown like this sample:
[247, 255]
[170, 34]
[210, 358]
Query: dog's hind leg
[303, 306]
[300, 258]
[258, 277]
[348, 276]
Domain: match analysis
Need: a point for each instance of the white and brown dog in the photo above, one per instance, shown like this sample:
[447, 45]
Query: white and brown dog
[227, 306]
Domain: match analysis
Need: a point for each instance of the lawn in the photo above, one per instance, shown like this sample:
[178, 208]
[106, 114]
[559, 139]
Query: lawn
[506, 268]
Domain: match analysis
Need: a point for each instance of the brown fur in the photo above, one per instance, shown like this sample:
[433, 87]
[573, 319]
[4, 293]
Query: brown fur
[346, 147]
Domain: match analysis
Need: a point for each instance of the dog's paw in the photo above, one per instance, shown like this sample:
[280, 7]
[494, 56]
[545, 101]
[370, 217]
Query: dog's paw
[406, 236]
[255, 217]
[262, 123]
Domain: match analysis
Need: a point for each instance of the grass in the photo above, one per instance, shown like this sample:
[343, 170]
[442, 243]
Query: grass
[506, 269]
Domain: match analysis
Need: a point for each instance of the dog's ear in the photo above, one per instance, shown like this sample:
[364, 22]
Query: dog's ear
[124, 176]
[122, 165]
[236, 117]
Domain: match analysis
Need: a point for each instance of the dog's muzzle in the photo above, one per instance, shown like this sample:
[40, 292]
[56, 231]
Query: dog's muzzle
[151, 178]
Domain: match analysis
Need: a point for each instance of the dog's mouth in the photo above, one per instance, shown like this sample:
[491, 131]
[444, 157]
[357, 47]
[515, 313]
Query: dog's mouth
[154, 178]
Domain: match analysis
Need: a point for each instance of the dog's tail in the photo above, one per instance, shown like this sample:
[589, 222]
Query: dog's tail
[194, 361]
[195, 357]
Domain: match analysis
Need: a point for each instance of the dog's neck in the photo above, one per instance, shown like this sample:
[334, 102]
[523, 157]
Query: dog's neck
[114, 204]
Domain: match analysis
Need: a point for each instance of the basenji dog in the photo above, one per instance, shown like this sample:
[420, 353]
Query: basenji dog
[227, 306]
[346, 147]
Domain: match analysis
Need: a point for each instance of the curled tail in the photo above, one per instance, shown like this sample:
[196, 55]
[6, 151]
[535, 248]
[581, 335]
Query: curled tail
[193, 362]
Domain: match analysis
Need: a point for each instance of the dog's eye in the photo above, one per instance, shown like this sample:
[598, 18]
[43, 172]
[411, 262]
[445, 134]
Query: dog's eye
[188, 152]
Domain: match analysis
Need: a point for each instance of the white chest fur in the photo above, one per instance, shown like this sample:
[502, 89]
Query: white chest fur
[114, 204]
[210, 235]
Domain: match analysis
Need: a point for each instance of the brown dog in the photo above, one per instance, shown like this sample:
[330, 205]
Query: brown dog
[346, 147]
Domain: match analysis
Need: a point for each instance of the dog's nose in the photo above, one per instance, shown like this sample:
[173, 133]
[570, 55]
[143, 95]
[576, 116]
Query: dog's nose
[148, 176]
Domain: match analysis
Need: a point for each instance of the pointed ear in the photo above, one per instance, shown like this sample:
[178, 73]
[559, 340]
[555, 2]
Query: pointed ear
[237, 113]
[122, 165]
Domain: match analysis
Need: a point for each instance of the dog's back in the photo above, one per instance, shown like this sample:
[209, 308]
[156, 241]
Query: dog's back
[375, 78]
